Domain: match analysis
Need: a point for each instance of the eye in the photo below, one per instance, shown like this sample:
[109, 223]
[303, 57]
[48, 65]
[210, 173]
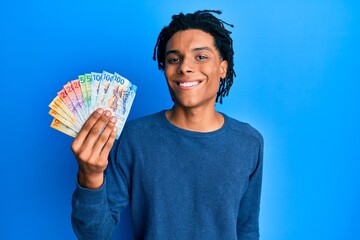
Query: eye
[201, 57]
[173, 59]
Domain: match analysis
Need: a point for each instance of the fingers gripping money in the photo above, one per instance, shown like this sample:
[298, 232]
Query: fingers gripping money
[81, 97]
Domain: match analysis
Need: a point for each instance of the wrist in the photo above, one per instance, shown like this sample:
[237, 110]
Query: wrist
[90, 181]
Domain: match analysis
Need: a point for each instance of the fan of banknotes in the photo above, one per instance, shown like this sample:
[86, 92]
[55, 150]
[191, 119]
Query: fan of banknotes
[79, 98]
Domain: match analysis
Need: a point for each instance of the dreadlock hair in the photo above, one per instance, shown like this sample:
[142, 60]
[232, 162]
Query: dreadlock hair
[202, 20]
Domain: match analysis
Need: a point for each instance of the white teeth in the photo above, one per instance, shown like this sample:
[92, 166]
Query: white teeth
[188, 84]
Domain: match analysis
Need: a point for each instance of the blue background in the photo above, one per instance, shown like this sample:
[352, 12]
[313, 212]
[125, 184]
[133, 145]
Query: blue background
[297, 65]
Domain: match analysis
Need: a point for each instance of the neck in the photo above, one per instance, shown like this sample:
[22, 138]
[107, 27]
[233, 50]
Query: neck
[195, 119]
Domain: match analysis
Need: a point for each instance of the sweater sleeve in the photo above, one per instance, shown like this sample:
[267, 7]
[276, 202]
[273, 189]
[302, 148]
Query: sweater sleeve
[248, 217]
[95, 213]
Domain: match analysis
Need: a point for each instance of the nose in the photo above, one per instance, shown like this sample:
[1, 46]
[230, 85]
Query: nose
[186, 66]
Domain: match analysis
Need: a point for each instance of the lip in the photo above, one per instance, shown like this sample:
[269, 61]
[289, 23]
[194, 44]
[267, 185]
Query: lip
[188, 84]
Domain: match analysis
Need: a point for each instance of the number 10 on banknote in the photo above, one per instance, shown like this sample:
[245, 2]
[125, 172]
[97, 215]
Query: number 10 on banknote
[76, 101]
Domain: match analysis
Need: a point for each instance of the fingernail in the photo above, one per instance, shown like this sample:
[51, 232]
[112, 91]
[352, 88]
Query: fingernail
[115, 129]
[100, 110]
[107, 113]
[113, 119]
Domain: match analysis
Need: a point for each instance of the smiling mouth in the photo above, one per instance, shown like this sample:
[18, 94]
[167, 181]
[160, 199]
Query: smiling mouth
[188, 84]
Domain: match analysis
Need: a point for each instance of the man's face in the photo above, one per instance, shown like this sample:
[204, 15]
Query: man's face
[193, 68]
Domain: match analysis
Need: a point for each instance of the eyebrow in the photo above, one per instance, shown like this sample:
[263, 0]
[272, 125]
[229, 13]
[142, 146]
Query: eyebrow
[192, 50]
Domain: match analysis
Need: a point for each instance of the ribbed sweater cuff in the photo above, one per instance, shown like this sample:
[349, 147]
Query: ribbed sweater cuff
[90, 196]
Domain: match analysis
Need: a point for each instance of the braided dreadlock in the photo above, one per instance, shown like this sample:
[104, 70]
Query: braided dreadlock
[203, 20]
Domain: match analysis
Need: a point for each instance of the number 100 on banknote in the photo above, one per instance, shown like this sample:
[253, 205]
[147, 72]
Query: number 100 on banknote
[76, 101]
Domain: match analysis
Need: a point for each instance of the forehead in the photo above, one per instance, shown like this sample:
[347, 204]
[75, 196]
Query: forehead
[189, 39]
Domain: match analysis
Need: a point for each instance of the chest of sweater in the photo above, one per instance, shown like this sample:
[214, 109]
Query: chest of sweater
[185, 171]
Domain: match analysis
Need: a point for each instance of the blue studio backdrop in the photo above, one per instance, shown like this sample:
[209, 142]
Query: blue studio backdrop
[297, 66]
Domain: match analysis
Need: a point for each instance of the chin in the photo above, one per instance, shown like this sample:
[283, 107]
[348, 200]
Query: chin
[185, 105]
[194, 104]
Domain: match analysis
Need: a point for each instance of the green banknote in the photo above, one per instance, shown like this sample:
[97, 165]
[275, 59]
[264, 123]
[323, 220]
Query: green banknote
[78, 98]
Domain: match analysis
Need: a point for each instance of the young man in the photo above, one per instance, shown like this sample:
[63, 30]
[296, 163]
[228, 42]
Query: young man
[189, 172]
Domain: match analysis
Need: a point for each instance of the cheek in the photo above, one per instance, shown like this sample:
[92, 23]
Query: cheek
[215, 78]
[168, 71]
[213, 73]
[167, 76]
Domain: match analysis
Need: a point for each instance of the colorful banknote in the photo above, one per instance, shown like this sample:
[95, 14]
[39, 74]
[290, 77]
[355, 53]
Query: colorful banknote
[78, 98]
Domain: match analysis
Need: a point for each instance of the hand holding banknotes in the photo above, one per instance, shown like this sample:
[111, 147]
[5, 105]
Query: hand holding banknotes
[112, 95]
[80, 97]
[91, 147]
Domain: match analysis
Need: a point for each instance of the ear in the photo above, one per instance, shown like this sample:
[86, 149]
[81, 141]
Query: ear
[223, 68]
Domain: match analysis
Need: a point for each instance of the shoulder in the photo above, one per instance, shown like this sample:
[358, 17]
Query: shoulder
[143, 123]
[244, 129]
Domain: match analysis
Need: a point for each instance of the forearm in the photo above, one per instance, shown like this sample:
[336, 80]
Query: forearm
[249, 210]
[96, 212]
[91, 216]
